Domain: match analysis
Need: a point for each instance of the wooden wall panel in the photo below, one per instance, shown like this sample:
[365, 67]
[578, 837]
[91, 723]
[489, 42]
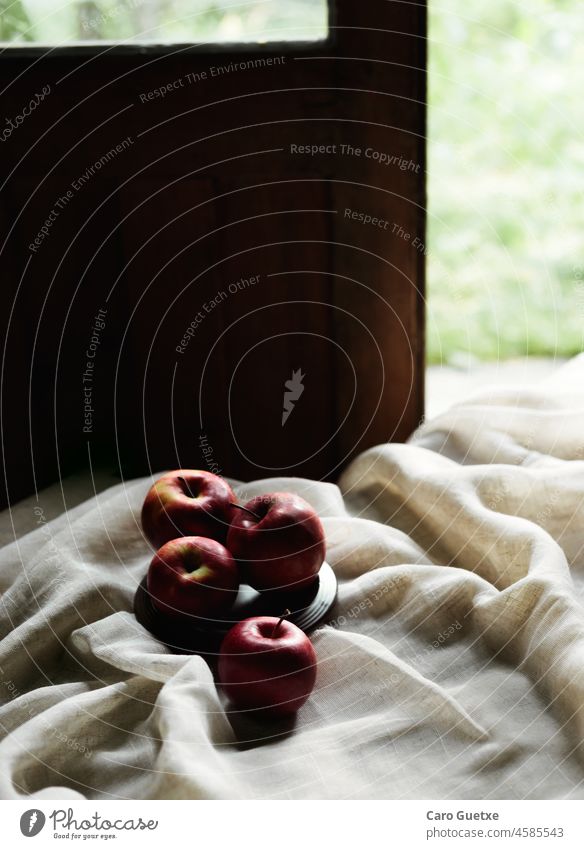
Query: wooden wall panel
[194, 191]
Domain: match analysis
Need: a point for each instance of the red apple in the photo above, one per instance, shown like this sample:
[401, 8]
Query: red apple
[193, 576]
[187, 502]
[267, 664]
[278, 542]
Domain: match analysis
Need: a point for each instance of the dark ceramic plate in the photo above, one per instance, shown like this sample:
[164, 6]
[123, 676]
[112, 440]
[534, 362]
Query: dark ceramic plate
[193, 635]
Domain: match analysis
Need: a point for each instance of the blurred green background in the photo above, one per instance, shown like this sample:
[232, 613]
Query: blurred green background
[51, 21]
[506, 164]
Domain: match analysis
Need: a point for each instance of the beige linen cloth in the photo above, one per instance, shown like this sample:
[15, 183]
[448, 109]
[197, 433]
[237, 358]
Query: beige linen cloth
[452, 667]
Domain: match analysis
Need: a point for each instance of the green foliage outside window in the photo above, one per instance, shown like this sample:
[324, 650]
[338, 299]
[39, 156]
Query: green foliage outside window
[506, 167]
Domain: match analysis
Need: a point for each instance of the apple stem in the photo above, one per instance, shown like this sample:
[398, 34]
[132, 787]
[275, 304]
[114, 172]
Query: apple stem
[186, 486]
[247, 510]
[279, 622]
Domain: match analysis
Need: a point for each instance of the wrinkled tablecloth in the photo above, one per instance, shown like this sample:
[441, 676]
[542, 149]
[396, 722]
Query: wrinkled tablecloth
[452, 665]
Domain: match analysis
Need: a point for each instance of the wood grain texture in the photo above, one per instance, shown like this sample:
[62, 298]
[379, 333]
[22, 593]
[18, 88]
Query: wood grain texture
[195, 191]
